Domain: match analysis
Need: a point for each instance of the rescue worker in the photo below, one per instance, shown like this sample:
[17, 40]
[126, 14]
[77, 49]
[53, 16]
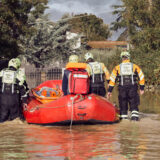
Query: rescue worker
[13, 91]
[72, 65]
[128, 75]
[97, 72]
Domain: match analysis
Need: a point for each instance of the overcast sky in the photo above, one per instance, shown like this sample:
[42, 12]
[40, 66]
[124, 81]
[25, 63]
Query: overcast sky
[101, 8]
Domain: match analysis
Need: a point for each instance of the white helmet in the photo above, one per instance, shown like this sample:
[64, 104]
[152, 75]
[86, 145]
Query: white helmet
[125, 54]
[14, 62]
[88, 55]
[73, 58]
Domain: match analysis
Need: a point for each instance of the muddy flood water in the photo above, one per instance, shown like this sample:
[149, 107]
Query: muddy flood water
[125, 140]
[121, 141]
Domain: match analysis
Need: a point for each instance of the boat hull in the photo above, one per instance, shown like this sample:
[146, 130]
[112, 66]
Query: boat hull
[71, 109]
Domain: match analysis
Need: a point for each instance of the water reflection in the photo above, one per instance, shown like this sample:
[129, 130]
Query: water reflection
[11, 141]
[82, 142]
[123, 141]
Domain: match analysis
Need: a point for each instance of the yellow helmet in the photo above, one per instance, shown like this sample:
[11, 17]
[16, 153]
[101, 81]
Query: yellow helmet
[88, 55]
[125, 54]
[14, 62]
[73, 58]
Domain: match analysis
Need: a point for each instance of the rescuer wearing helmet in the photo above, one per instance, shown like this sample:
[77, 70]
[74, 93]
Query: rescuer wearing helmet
[128, 75]
[96, 71]
[71, 66]
[13, 90]
[73, 59]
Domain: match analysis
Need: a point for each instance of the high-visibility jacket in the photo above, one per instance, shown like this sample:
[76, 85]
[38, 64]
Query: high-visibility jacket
[126, 70]
[13, 81]
[96, 68]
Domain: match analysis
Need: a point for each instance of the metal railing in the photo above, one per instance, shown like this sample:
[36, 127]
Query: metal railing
[35, 76]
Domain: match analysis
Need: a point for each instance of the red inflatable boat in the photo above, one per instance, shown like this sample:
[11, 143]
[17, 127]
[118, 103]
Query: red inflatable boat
[48, 106]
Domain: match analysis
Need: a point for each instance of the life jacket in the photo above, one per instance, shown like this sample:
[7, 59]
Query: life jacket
[127, 76]
[97, 75]
[9, 81]
[78, 81]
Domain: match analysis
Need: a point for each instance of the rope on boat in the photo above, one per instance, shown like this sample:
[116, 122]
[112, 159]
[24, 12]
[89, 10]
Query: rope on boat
[38, 107]
[73, 98]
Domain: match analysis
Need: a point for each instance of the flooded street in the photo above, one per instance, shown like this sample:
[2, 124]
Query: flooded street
[122, 141]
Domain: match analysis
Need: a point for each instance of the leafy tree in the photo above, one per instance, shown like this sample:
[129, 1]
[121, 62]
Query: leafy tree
[13, 23]
[141, 20]
[91, 26]
[48, 41]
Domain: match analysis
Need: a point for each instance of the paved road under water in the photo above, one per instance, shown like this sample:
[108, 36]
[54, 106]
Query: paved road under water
[122, 141]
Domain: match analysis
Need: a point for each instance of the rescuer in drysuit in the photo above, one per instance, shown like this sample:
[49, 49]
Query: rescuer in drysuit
[128, 75]
[70, 67]
[98, 74]
[13, 91]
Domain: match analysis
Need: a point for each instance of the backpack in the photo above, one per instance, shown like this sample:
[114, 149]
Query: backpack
[9, 79]
[96, 72]
[78, 81]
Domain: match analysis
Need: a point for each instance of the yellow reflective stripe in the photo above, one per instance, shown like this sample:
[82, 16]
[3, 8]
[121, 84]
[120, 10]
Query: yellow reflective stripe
[112, 81]
[113, 76]
[141, 77]
[140, 74]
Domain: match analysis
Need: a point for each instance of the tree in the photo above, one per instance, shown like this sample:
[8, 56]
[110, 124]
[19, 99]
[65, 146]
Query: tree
[92, 27]
[48, 41]
[13, 23]
[141, 20]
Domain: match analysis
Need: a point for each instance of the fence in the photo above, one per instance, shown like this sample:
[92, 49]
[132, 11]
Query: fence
[35, 76]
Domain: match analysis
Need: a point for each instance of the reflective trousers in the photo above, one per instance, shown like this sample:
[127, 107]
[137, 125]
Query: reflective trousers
[128, 96]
